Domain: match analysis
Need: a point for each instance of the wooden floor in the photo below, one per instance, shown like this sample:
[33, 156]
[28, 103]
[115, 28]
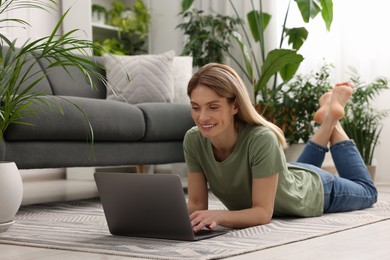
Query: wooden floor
[367, 242]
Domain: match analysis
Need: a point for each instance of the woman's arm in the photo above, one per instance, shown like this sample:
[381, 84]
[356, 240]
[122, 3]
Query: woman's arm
[263, 199]
[197, 192]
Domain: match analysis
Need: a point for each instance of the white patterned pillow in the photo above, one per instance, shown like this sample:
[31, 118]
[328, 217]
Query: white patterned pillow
[151, 77]
[182, 73]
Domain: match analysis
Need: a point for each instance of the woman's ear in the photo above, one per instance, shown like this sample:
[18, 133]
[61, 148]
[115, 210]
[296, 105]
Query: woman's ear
[236, 108]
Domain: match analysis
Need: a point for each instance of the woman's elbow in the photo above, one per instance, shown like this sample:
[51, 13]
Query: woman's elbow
[264, 216]
[266, 219]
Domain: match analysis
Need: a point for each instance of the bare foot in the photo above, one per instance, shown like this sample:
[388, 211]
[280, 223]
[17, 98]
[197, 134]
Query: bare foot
[324, 102]
[340, 96]
[334, 102]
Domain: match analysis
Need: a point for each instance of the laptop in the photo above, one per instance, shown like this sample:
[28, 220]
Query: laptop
[147, 205]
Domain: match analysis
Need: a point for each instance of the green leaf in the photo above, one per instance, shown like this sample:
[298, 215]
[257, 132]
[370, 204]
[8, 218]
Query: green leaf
[186, 4]
[308, 8]
[327, 12]
[297, 36]
[288, 71]
[258, 22]
[279, 60]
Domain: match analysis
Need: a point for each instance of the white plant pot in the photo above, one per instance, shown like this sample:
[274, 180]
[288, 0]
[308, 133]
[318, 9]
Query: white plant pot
[11, 193]
[98, 18]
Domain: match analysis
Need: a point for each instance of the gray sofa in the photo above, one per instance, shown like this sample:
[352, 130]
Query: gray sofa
[124, 134]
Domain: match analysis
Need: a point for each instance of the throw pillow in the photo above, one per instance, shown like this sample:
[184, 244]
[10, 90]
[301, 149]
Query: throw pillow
[151, 77]
[182, 73]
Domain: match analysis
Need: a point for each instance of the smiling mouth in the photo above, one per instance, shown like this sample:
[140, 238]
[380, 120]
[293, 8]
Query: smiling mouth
[207, 126]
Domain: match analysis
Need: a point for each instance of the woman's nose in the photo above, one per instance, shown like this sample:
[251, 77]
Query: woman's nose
[203, 115]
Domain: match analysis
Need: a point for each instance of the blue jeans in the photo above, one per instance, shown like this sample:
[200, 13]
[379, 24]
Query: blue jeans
[353, 189]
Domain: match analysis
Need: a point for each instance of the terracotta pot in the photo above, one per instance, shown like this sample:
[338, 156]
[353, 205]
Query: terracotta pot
[11, 193]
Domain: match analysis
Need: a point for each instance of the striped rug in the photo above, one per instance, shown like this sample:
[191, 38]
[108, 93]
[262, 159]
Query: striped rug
[81, 226]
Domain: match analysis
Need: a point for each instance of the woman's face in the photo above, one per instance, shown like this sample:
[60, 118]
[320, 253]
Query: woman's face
[213, 114]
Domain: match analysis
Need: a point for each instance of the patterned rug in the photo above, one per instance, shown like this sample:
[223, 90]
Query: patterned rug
[81, 226]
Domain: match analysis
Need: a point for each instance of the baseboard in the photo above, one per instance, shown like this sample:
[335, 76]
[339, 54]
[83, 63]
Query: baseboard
[86, 173]
[43, 174]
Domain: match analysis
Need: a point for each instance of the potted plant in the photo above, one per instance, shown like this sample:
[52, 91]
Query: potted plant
[99, 14]
[362, 122]
[19, 81]
[208, 36]
[133, 27]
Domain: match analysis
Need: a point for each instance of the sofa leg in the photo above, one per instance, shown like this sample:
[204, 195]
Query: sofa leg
[140, 168]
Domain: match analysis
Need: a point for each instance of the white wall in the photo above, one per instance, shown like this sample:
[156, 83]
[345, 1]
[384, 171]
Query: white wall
[39, 27]
[164, 19]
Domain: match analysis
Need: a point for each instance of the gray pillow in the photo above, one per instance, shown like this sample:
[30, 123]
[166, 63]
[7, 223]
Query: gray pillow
[151, 77]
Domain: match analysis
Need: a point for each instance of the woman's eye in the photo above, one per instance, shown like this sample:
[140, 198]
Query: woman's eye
[214, 107]
[195, 108]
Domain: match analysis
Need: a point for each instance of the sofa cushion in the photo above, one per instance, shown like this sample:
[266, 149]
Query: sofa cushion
[110, 120]
[166, 121]
[74, 82]
[151, 77]
[35, 73]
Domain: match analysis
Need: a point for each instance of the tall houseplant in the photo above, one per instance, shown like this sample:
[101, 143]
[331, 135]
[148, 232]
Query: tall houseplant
[281, 62]
[269, 72]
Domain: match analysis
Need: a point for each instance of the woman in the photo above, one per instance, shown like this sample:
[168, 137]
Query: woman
[239, 155]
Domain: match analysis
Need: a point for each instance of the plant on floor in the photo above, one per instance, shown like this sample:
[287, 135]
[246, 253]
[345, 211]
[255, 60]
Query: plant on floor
[18, 80]
[362, 122]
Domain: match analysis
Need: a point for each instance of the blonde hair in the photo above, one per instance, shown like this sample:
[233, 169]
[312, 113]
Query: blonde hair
[225, 81]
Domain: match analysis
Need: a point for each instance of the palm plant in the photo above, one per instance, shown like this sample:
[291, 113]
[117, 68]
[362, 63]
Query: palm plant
[19, 81]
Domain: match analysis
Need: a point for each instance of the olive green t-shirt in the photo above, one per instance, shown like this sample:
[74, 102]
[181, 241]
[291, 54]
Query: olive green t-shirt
[257, 154]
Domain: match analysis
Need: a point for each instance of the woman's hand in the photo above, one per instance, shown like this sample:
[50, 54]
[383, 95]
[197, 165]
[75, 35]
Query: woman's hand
[263, 197]
[206, 218]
